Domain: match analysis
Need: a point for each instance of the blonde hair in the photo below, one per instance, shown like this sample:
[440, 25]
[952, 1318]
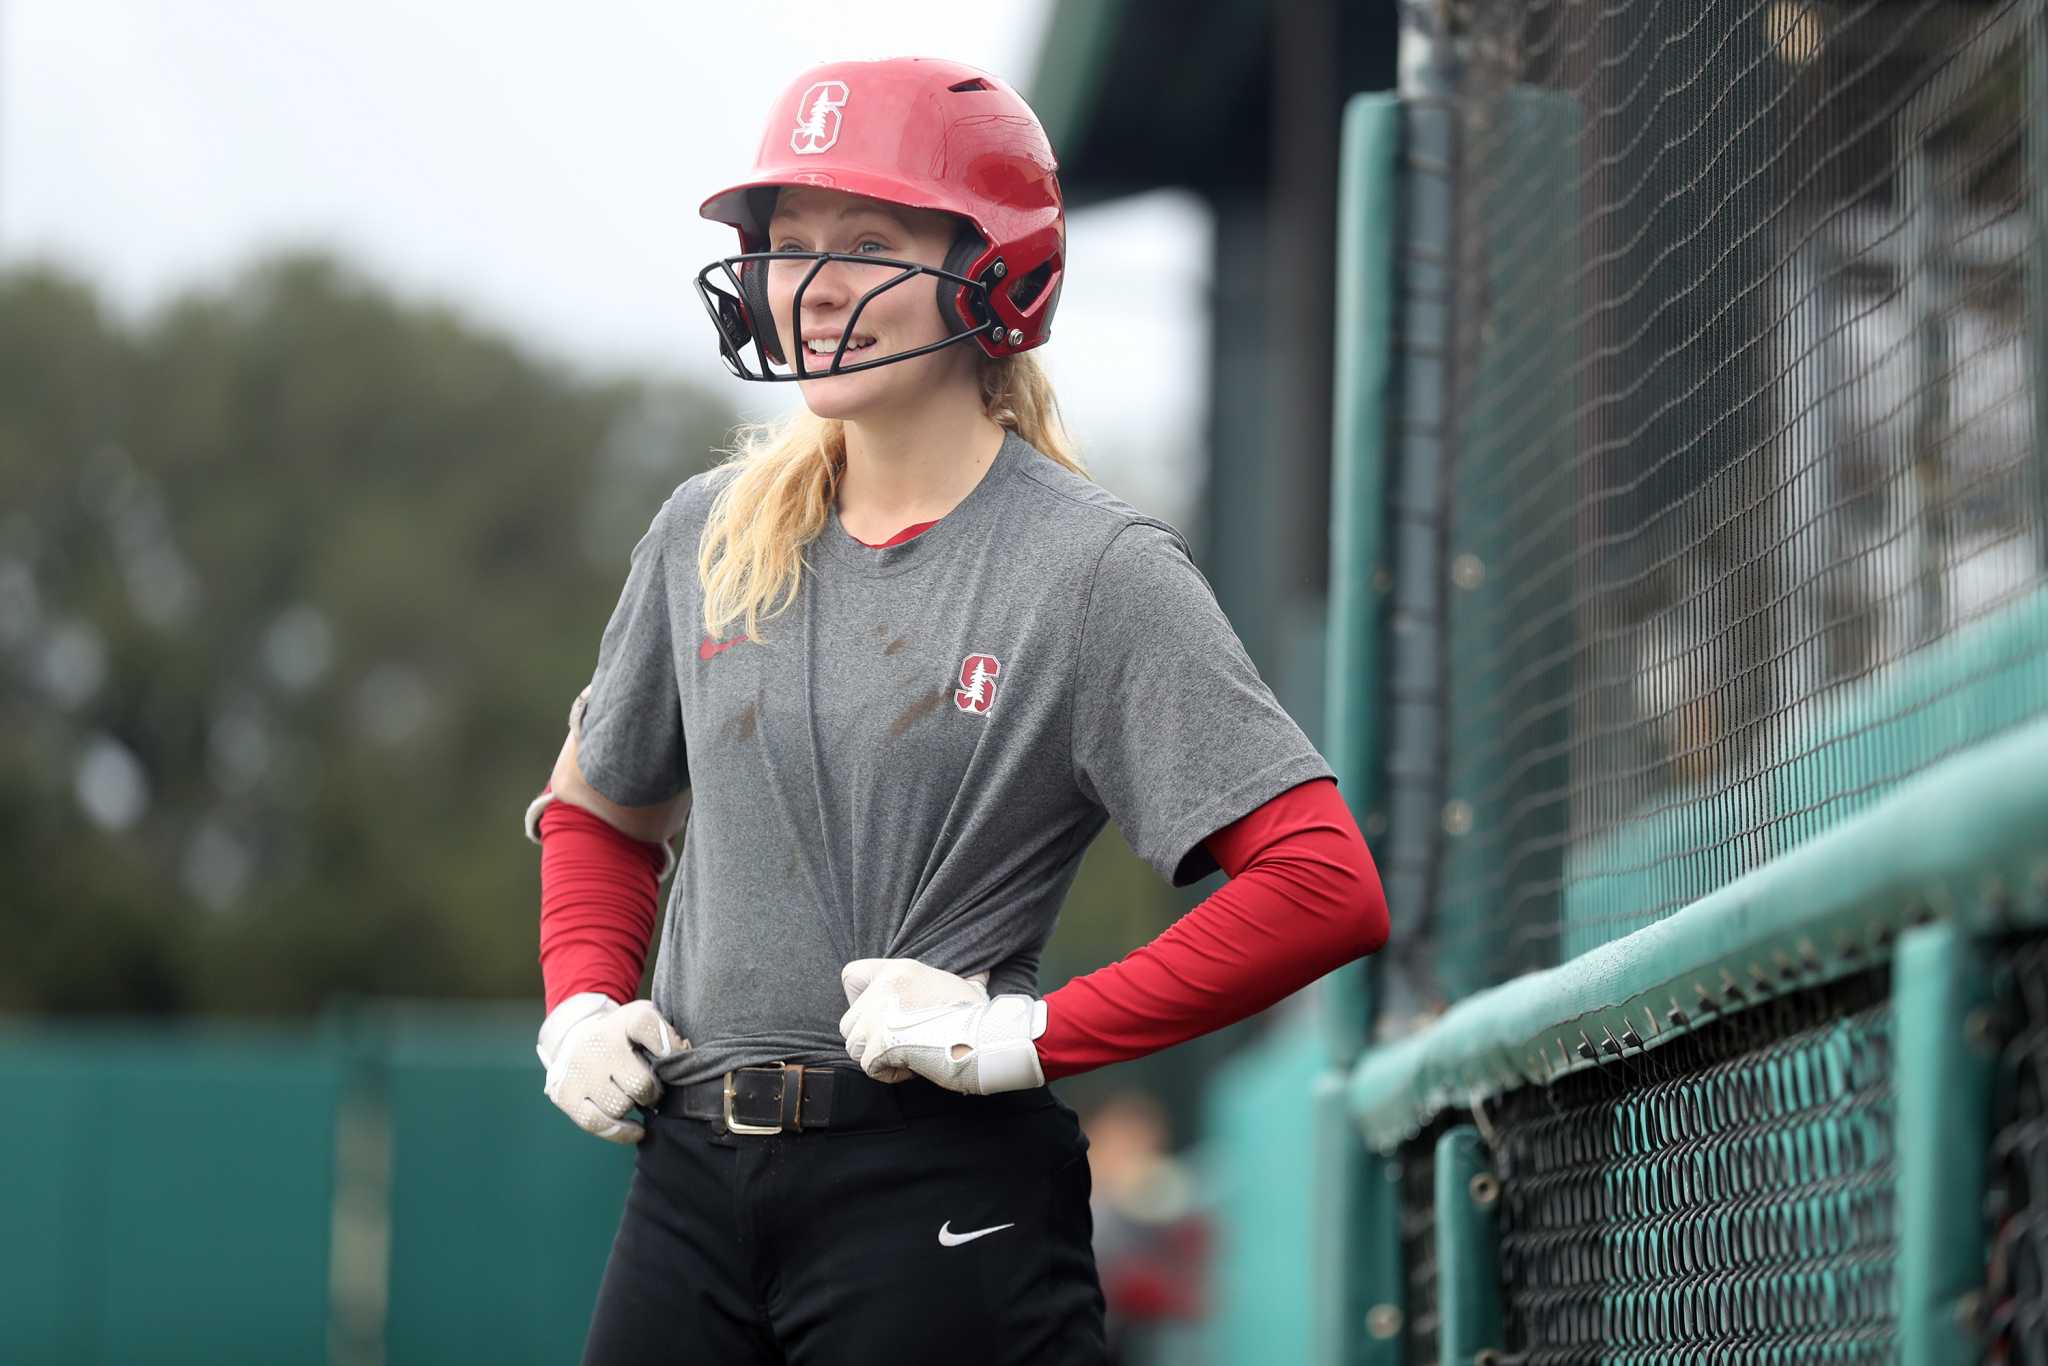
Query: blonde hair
[780, 480]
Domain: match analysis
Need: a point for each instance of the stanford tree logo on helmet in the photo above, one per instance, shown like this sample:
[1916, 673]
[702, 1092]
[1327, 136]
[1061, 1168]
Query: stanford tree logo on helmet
[918, 132]
[818, 128]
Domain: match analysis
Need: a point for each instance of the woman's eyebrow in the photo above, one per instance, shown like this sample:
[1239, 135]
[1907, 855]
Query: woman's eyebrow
[793, 220]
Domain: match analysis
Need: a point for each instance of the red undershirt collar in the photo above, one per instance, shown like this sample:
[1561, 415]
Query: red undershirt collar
[901, 536]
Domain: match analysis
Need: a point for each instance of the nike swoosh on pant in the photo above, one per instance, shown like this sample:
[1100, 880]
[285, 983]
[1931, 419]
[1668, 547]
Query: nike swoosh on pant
[948, 1238]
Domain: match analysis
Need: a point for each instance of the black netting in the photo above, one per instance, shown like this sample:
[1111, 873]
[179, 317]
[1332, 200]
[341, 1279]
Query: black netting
[2017, 1223]
[1418, 1246]
[1715, 499]
[1726, 1198]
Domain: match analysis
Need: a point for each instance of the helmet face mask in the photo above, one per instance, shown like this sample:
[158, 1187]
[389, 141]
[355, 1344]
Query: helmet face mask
[740, 312]
[920, 134]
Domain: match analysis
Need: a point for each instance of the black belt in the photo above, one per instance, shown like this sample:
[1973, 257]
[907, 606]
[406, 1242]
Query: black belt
[779, 1096]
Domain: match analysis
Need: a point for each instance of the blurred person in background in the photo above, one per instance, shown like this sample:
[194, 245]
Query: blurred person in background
[982, 658]
[1150, 1243]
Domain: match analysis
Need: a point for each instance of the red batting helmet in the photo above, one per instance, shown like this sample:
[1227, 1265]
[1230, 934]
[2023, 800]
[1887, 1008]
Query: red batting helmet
[915, 131]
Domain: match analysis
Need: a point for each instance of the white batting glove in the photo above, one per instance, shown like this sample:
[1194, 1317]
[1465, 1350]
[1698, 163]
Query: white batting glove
[907, 1019]
[591, 1046]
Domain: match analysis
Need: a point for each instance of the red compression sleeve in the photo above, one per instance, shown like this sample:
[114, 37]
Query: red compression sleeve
[597, 905]
[1303, 898]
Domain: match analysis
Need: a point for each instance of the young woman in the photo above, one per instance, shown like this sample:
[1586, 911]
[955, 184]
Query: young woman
[895, 664]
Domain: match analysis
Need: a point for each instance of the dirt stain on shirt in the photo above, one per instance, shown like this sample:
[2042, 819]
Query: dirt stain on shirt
[917, 711]
[743, 725]
[896, 645]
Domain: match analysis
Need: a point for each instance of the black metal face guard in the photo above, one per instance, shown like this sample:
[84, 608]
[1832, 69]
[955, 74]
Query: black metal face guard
[729, 316]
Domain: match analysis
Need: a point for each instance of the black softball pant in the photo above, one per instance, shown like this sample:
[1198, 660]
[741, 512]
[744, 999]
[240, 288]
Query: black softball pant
[823, 1248]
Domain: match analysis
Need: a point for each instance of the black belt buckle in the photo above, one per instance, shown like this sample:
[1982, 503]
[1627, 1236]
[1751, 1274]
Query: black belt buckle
[781, 1105]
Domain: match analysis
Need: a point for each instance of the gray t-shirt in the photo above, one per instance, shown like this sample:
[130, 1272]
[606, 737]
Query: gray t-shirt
[914, 762]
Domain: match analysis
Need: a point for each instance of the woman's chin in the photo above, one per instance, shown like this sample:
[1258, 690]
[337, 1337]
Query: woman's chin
[866, 394]
[846, 397]
[841, 398]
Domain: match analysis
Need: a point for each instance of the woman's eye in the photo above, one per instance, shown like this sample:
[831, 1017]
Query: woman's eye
[793, 245]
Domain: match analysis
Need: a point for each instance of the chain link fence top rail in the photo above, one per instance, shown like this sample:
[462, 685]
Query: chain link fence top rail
[1737, 509]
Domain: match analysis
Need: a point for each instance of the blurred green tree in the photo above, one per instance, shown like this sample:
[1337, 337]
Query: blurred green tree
[297, 579]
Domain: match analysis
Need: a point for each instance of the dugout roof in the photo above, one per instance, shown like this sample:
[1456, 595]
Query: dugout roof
[1151, 94]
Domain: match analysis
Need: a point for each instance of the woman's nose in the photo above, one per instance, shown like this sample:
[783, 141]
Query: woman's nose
[829, 288]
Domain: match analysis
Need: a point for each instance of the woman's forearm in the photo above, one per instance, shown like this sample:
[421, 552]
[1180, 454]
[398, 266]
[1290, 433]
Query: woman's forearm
[598, 905]
[1303, 899]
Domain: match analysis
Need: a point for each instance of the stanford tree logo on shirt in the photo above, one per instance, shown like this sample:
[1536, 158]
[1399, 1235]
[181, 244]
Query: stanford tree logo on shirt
[977, 691]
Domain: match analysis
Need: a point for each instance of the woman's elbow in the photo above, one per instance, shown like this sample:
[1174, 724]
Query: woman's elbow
[656, 824]
[1373, 923]
[1371, 900]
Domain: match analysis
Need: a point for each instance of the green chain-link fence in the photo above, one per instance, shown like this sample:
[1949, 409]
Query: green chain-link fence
[1689, 676]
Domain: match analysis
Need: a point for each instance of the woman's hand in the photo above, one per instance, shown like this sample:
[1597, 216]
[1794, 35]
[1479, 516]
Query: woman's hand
[591, 1046]
[905, 1018]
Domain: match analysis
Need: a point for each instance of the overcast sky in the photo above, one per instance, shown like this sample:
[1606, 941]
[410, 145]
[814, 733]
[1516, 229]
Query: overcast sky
[539, 167]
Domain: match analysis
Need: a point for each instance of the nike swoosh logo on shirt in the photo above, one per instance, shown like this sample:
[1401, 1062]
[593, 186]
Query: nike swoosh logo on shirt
[948, 1238]
[712, 647]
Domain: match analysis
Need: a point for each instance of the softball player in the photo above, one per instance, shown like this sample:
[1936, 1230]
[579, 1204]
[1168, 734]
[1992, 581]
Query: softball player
[889, 670]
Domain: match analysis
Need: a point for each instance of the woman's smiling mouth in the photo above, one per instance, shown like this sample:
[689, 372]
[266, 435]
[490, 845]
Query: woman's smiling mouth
[821, 346]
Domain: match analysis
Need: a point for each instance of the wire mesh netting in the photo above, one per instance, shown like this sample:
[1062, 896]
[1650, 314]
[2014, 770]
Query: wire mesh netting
[1727, 1198]
[1418, 1245]
[1733, 519]
[2016, 1300]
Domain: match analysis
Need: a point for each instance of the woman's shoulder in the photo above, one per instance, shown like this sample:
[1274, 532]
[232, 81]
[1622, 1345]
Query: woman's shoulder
[1077, 508]
[689, 503]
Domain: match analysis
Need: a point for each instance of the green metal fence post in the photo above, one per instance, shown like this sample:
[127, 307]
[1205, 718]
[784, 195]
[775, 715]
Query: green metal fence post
[1381, 1267]
[1357, 1259]
[1357, 1277]
[1468, 1252]
[1367, 221]
[352, 1032]
[1946, 1050]
[2035, 140]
